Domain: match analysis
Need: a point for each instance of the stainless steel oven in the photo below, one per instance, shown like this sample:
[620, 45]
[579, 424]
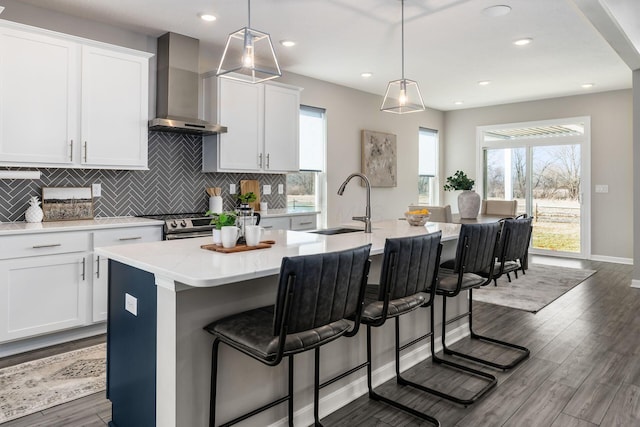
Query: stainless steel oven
[184, 226]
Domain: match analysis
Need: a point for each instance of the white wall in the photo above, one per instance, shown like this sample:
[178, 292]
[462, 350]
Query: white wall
[611, 156]
[349, 112]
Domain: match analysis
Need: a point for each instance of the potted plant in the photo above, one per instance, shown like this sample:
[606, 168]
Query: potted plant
[468, 200]
[246, 198]
[220, 220]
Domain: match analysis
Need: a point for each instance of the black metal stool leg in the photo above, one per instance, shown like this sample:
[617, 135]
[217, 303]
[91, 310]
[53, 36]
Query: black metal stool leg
[290, 405]
[524, 351]
[316, 388]
[214, 382]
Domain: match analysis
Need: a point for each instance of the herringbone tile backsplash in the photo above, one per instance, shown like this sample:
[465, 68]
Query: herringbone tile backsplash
[173, 183]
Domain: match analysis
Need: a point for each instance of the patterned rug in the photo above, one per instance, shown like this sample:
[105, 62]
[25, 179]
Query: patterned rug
[531, 292]
[40, 384]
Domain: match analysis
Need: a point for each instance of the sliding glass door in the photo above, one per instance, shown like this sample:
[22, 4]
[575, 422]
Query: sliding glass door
[544, 167]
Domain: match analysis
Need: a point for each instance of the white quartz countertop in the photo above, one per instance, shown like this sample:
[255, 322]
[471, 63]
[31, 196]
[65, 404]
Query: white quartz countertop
[9, 228]
[185, 262]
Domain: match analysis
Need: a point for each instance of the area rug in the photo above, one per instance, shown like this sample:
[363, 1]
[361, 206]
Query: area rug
[533, 291]
[40, 384]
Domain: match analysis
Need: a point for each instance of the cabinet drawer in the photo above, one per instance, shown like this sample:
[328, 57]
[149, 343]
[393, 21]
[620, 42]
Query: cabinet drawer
[279, 223]
[26, 245]
[303, 222]
[121, 236]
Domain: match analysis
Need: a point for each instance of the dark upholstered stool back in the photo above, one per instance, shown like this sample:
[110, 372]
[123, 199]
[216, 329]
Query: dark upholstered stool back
[315, 290]
[477, 242]
[409, 265]
[514, 240]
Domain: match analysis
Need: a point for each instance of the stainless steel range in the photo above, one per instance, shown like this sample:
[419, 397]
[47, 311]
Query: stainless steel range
[184, 226]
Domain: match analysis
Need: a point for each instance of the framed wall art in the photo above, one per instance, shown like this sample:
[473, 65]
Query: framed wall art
[379, 158]
[67, 203]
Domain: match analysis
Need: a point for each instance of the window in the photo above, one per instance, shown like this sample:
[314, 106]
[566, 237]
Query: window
[305, 189]
[427, 166]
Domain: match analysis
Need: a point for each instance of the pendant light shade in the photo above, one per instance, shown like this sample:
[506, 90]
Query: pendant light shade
[249, 56]
[403, 95]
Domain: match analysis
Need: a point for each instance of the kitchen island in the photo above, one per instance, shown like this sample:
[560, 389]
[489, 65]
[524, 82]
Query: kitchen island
[162, 294]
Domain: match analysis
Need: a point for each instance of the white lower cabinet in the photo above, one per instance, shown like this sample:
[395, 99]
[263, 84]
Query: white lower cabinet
[52, 281]
[43, 294]
[294, 222]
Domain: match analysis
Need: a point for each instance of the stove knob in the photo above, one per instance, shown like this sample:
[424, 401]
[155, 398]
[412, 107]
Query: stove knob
[173, 224]
[183, 223]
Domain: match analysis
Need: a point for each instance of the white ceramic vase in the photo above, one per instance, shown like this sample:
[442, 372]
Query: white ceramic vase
[468, 204]
[34, 212]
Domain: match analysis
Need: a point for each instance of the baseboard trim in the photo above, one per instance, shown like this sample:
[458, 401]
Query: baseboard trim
[635, 283]
[358, 387]
[613, 259]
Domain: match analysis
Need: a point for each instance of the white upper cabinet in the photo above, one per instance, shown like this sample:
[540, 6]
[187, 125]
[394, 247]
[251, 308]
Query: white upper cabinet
[70, 102]
[262, 122]
[38, 98]
[114, 108]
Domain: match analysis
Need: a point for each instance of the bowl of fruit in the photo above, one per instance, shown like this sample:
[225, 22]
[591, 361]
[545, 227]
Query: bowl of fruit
[417, 217]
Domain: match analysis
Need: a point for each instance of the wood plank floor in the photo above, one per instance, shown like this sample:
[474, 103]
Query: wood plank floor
[584, 369]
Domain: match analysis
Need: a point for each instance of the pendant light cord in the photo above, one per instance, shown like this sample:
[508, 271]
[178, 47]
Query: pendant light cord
[249, 13]
[402, 37]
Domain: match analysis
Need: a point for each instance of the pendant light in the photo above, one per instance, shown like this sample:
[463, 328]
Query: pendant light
[402, 96]
[249, 55]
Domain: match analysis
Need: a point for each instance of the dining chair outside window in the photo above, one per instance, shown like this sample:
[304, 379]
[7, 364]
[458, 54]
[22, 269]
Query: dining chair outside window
[316, 295]
[504, 208]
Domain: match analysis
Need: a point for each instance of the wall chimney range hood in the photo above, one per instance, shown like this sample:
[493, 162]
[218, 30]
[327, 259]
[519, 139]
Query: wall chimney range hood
[177, 88]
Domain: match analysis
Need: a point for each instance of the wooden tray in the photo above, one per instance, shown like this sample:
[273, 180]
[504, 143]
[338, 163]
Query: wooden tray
[266, 244]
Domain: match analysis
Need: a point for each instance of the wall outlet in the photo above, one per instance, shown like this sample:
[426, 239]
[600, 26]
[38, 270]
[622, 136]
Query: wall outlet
[280, 189]
[96, 190]
[232, 189]
[131, 304]
[602, 188]
[266, 189]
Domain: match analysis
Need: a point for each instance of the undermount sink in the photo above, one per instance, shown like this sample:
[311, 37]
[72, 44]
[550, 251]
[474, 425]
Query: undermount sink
[332, 231]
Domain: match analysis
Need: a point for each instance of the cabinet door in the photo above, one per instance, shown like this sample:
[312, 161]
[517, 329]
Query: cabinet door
[42, 294]
[240, 110]
[114, 109]
[101, 264]
[278, 223]
[281, 128]
[38, 93]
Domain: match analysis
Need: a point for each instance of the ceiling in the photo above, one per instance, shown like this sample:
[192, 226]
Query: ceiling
[450, 45]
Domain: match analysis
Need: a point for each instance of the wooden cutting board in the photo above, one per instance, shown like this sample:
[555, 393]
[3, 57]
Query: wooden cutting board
[266, 244]
[248, 186]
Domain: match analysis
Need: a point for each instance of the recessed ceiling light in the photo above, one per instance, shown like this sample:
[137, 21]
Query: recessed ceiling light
[588, 85]
[287, 43]
[207, 17]
[523, 42]
[459, 102]
[484, 82]
[366, 74]
[497, 10]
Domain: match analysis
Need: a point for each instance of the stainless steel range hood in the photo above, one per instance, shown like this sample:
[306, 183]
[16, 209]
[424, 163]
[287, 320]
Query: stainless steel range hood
[177, 88]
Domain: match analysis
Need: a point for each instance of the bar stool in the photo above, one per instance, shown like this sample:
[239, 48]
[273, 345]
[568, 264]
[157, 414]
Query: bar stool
[475, 254]
[513, 248]
[409, 271]
[316, 294]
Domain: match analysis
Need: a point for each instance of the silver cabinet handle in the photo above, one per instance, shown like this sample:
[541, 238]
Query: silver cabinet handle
[306, 223]
[52, 245]
[122, 239]
[267, 226]
[84, 268]
[71, 151]
[85, 151]
[268, 160]
[98, 267]
[260, 160]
